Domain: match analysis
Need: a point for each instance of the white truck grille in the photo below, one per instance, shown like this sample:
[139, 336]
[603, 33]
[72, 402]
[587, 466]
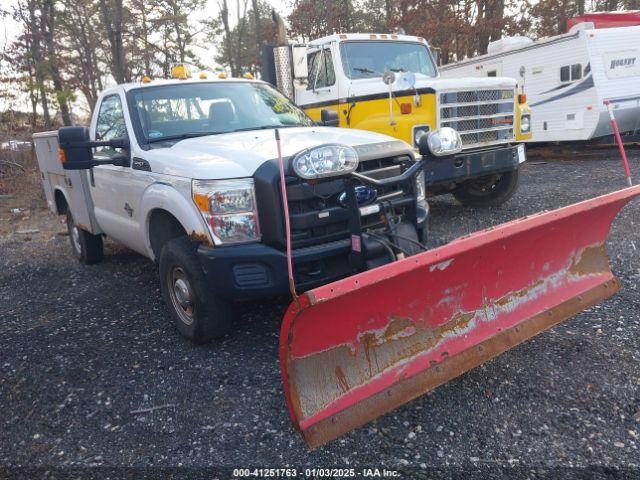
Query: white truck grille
[482, 117]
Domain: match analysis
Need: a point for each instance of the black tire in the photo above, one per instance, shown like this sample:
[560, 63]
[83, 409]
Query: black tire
[197, 313]
[87, 248]
[490, 191]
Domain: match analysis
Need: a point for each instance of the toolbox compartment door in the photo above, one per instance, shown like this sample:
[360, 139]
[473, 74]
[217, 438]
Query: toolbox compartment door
[74, 184]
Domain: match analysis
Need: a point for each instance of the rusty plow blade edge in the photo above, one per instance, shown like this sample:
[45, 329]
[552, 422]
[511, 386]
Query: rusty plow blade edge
[359, 347]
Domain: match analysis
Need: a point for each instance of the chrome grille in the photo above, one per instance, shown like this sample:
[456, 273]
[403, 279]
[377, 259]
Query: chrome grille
[482, 117]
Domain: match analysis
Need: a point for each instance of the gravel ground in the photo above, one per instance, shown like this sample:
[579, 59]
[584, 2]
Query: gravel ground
[83, 348]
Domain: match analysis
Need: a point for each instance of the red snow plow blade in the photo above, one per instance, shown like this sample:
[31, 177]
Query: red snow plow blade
[359, 347]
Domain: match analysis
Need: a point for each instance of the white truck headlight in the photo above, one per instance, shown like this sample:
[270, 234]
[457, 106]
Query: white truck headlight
[325, 161]
[442, 141]
[525, 123]
[229, 209]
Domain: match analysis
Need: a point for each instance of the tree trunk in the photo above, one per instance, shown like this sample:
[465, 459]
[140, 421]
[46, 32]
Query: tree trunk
[112, 12]
[388, 12]
[39, 66]
[48, 29]
[256, 25]
[224, 13]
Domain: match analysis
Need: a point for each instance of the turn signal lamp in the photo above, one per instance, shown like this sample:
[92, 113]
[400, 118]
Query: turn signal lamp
[63, 155]
[146, 79]
[405, 108]
[222, 75]
[180, 72]
[203, 76]
[522, 98]
[248, 75]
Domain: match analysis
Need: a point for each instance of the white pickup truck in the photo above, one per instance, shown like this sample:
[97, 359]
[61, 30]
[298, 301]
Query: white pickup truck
[186, 172]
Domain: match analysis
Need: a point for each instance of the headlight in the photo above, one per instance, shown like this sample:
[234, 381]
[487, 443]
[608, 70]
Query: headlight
[229, 208]
[325, 161]
[525, 123]
[442, 141]
[418, 132]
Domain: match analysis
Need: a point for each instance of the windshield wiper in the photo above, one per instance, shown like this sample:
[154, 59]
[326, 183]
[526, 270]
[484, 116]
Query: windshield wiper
[364, 70]
[397, 69]
[182, 136]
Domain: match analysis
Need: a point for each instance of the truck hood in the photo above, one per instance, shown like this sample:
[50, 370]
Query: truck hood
[240, 154]
[368, 86]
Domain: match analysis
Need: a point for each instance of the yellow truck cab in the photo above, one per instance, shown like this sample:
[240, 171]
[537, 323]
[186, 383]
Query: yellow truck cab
[390, 84]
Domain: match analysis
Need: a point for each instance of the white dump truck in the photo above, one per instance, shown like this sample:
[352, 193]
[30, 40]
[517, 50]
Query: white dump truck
[185, 172]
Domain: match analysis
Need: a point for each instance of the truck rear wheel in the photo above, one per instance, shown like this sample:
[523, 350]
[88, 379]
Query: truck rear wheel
[87, 248]
[489, 191]
[197, 313]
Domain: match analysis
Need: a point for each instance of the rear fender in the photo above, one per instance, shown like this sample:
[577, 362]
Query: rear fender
[66, 199]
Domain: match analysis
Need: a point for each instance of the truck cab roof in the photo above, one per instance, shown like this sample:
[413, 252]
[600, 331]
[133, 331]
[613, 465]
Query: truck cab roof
[174, 81]
[346, 37]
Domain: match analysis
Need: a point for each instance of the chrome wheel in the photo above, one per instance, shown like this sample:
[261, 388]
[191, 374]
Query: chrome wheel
[75, 239]
[181, 294]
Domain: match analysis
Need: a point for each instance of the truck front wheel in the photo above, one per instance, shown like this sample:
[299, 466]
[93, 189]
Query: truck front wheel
[197, 313]
[489, 191]
[87, 248]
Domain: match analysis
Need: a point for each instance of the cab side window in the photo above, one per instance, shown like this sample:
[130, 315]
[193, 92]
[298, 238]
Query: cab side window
[110, 123]
[320, 67]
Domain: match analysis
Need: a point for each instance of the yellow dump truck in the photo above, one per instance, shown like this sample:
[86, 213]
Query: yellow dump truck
[390, 84]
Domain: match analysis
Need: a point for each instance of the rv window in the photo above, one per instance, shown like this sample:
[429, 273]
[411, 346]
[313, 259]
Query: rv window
[564, 74]
[492, 73]
[576, 71]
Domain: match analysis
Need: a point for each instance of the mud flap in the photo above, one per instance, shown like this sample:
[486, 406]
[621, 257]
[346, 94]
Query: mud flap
[359, 347]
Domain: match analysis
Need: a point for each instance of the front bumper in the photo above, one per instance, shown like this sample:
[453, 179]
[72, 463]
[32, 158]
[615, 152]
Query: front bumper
[257, 270]
[468, 165]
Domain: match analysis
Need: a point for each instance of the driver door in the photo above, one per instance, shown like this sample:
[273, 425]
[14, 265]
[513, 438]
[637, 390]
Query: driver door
[116, 191]
[322, 87]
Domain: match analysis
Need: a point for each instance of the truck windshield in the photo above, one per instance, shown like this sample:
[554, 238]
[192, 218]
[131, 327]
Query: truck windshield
[171, 112]
[369, 59]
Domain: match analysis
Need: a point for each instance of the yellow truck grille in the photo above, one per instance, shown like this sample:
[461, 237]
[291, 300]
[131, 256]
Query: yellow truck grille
[482, 117]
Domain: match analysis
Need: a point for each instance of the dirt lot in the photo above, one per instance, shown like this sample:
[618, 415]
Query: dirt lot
[87, 354]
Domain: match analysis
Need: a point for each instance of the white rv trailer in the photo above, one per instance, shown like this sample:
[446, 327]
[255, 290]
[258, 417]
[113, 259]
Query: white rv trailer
[567, 77]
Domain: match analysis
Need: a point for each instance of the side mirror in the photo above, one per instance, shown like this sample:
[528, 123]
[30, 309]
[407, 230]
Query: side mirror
[299, 62]
[76, 153]
[329, 118]
[435, 54]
